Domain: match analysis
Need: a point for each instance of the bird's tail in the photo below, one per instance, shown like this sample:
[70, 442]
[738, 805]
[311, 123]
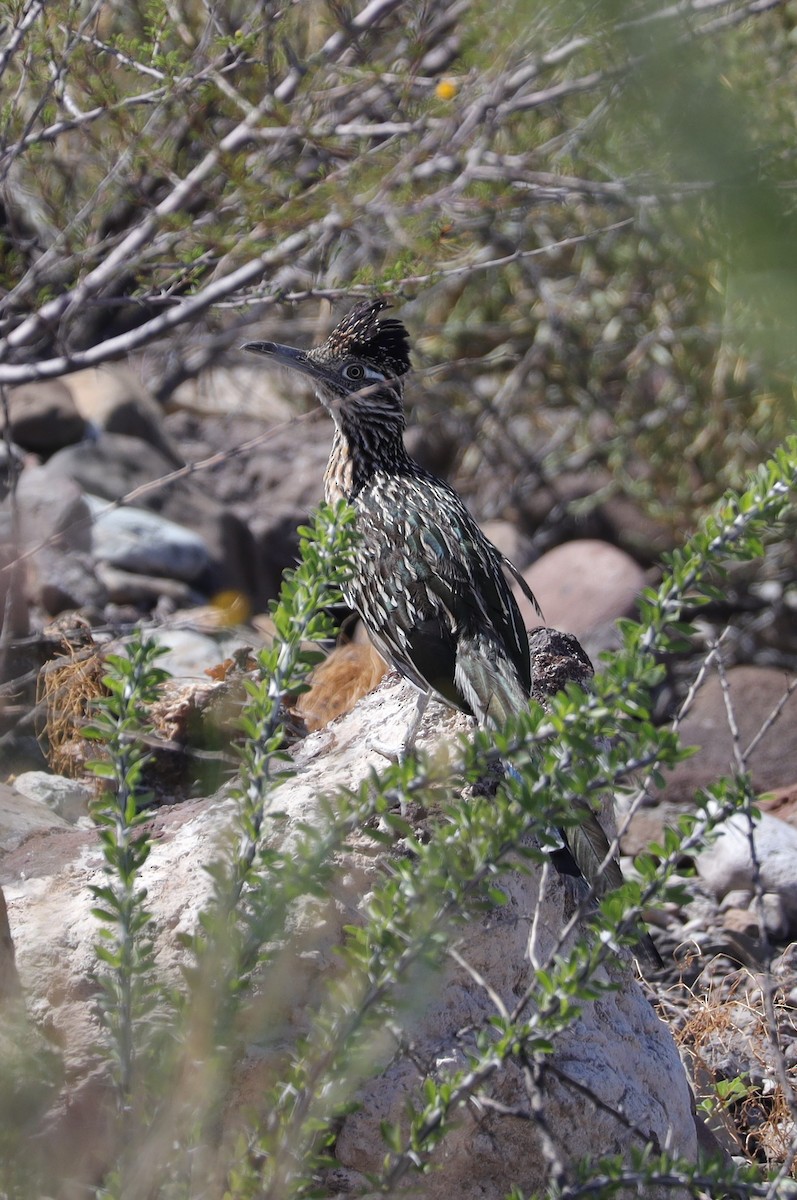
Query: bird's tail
[590, 848]
[585, 853]
[490, 683]
[488, 680]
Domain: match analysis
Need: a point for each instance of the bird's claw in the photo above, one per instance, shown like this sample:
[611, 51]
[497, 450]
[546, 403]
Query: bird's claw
[393, 753]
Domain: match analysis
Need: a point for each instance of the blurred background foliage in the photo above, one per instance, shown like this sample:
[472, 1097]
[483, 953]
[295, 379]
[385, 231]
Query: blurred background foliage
[584, 212]
[464, 157]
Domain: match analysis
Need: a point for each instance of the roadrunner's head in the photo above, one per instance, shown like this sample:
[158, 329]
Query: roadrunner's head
[357, 372]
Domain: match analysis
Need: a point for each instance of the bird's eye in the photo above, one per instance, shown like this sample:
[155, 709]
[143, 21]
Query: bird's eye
[354, 371]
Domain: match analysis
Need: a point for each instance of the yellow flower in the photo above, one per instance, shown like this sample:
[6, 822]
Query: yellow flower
[231, 607]
[446, 89]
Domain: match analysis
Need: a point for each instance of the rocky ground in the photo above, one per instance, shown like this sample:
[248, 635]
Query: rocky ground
[196, 553]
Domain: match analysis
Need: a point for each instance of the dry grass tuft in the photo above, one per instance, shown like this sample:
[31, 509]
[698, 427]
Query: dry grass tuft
[66, 689]
[732, 1049]
[348, 674]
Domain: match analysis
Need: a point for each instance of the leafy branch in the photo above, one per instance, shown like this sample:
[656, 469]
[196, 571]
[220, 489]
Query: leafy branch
[129, 989]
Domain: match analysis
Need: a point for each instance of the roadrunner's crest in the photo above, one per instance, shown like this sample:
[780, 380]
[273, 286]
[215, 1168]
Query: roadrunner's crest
[383, 345]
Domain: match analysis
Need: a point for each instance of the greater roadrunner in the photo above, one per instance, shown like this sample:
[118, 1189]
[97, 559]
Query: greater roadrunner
[427, 583]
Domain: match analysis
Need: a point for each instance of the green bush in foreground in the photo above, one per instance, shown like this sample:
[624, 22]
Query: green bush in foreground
[172, 1052]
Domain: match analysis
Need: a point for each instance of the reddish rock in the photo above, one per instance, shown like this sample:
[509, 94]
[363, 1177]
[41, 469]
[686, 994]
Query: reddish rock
[507, 538]
[741, 920]
[647, 825]
[781, 802]
[754, 692]
[582, 586]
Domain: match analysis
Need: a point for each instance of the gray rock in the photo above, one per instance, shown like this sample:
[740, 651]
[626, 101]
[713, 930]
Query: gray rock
[52, 512]
[126, 587]
[115, 465]
[55, 536]
[778, 921]
[189, 653]
[21, 815]
[112, 398]
[66, 797]
[727, 866]
[145, 543]
[66, 581]
[43, 416]
[736, 898]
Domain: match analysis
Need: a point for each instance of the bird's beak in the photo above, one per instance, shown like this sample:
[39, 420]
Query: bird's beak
[287, 356]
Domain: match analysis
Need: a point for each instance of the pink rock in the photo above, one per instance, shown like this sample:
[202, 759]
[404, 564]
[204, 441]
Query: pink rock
[510, 541]
[754, 695]
[582, 586]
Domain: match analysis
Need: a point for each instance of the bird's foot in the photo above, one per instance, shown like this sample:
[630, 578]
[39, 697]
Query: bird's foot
[393, 753]
[398, 753]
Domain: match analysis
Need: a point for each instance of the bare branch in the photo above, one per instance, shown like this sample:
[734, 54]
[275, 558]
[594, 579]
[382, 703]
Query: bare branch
[33, 11]
[126, 342]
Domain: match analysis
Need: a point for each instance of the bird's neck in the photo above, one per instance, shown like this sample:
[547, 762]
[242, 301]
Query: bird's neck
[360, 452]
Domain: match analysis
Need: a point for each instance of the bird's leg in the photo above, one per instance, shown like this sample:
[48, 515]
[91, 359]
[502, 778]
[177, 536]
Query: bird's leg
[407, 743]
[411, 732]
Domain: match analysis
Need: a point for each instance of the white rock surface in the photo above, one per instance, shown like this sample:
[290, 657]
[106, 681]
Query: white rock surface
[136, 540]
[67, 797]
[9, 980]
[727, 865]
[190, 654]
[21, 816]
[619, 1051]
